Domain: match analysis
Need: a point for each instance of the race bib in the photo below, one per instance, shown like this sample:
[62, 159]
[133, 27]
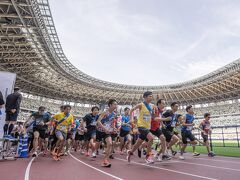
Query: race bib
[173, 124]
[207, 126]
[146, 117]
[63, 128]
[94, 123]
[189, 128]
[109, 127]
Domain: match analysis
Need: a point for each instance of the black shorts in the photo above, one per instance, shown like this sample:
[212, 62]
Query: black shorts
[175, 133]
[134, 138]
[123, 133]
[157, 132]
[42, 132]
[205, 137]
[69, 135]
[89, 135]
[11, 116]
[79, 137]
[143, 133]
[101, 136]
[168, 134]
[187, 135]
[114, 136]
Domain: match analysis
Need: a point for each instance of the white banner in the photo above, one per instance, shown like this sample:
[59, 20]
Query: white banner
[7, 82]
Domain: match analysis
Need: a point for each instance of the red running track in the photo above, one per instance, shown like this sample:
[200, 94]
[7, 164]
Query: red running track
[77, 167]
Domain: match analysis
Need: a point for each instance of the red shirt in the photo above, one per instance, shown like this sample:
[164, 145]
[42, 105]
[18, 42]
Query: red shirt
[156, 124]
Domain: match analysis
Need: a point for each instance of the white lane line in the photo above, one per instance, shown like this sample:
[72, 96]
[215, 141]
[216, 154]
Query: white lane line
[228, 157]
[27, 172]
[170, 170]
[157, 162]
[115, 177]
[211, 166]
[218, 160]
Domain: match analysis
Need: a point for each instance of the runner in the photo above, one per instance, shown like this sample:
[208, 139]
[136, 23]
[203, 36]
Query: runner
[39, 121]
[71, 137]
[168, 126]
[79, 137]
[53, 139]
[177, 131]
[90, 121]
[205, 127]
[125, 137]
[147, 110]
[156, 130]
[187, 127]
[64, 121]
[105, 127]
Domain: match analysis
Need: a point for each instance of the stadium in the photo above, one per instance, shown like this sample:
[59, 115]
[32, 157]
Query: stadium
[31, 49]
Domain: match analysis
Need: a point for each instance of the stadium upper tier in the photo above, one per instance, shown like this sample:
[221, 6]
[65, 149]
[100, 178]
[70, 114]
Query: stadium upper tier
[221, 115]
[30, 47]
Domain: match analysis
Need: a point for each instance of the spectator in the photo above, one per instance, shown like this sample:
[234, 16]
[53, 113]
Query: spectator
[12, 106]
[1, 102]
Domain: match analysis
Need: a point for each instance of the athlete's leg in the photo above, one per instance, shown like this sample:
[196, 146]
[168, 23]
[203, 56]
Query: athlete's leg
[35, 142]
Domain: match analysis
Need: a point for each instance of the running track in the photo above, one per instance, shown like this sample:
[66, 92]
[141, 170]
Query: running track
[77, 167]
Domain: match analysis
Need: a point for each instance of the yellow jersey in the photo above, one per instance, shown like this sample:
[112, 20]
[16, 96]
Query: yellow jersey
[64, 126]
[144, 118]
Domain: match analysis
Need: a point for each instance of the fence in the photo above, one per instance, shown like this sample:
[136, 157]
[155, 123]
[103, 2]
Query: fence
[223, 136]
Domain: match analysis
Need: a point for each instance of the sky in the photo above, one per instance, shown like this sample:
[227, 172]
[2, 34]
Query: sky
[153, 42]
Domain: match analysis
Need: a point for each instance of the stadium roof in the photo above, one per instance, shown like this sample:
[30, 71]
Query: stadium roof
[31, 48]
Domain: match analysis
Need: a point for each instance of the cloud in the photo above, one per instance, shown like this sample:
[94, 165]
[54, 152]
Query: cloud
[154, 43]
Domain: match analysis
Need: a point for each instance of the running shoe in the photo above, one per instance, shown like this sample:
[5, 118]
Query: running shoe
[181, 158]
[53, 153]
[106, 163]
[195, 154]
[158, 158]
[45, 152]
[93, 155]
[56, 158]
[129, 154]
[61, 154]
[149, 160]
[111, 156]
[166, 157]
[87, 153]
[169, 152]
[174, 153]
[34, 154]
[82, 152]
[211, 154]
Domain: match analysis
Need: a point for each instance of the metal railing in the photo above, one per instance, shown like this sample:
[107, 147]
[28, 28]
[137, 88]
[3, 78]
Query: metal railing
[223, 136]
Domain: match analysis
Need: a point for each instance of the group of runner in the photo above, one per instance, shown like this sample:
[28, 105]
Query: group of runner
[61, 133]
